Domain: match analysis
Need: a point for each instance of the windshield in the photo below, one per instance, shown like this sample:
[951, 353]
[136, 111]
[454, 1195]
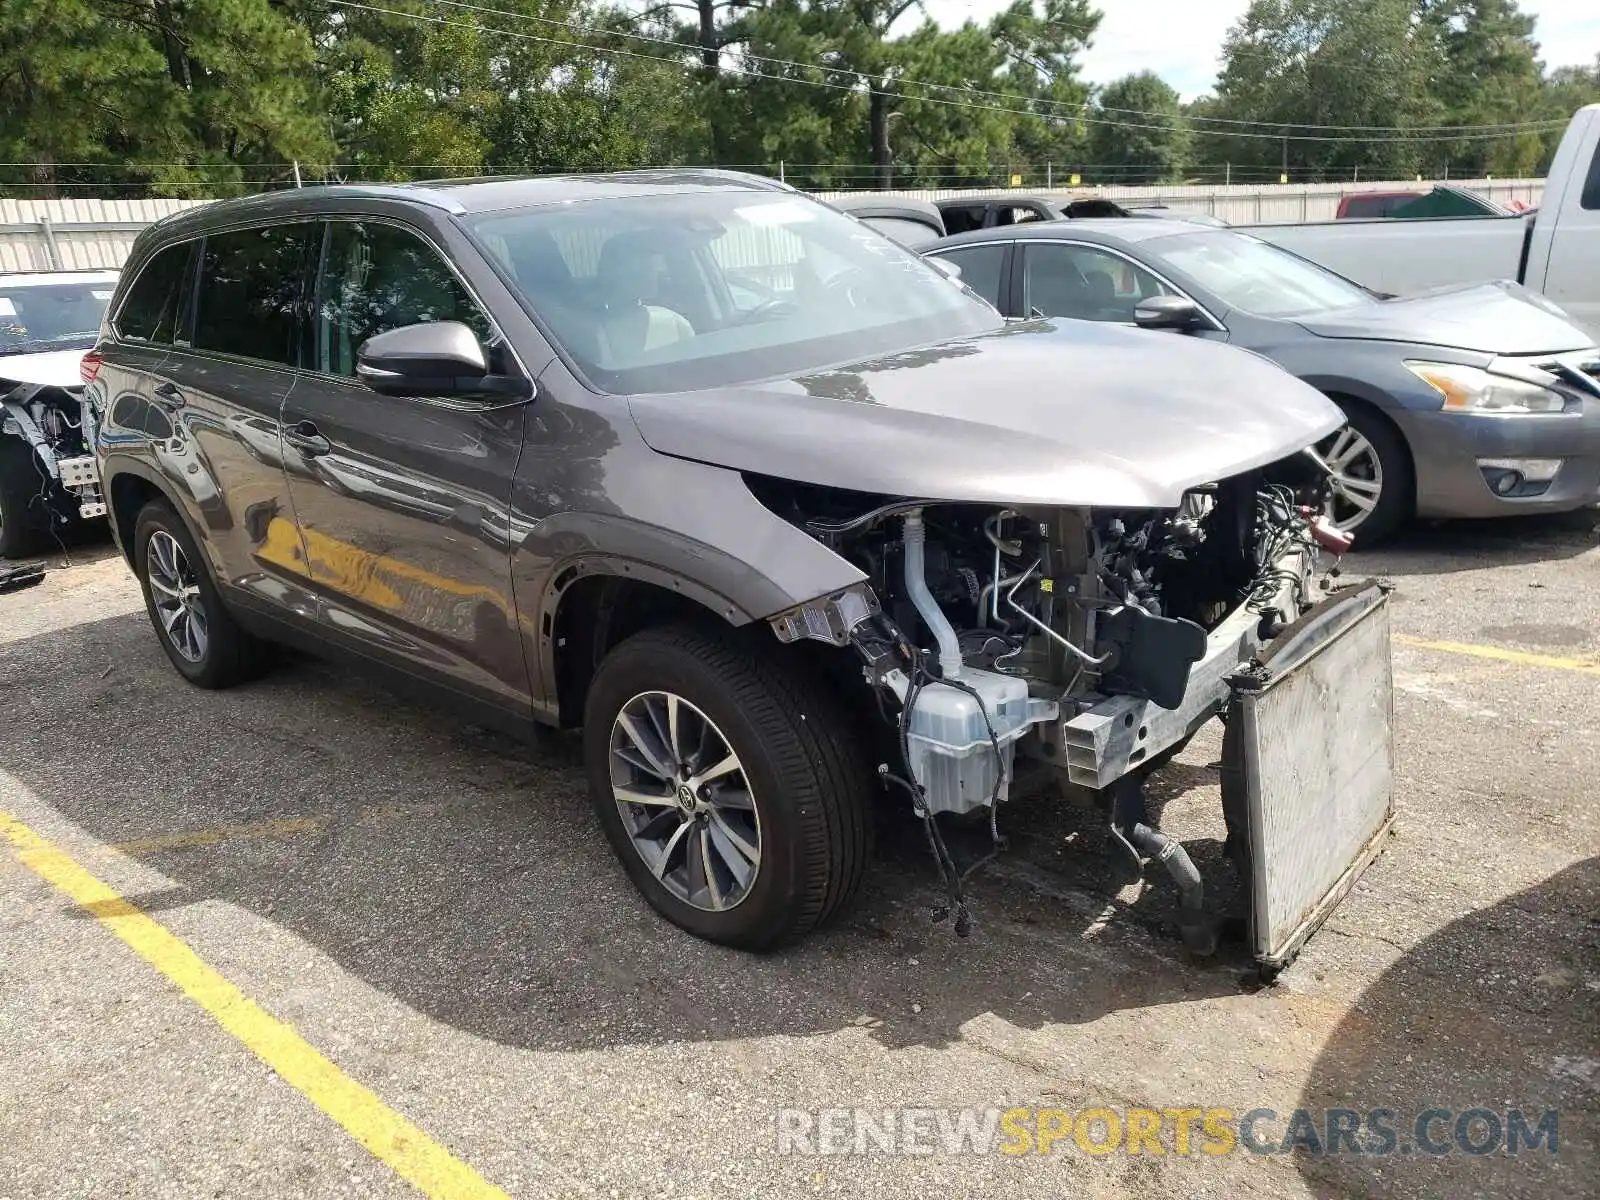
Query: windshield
[677, 292]
[1251, 275]
[51, 316]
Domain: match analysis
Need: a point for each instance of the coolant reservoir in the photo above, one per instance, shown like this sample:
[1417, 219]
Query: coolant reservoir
[952, 756]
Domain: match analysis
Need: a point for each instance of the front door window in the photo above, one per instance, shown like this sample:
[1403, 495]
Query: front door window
[1084, 282]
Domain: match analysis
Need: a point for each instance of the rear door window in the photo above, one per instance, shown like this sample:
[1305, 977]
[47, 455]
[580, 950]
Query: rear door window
[379, 277]
[981, 268]
[156, 306]
[254, 293]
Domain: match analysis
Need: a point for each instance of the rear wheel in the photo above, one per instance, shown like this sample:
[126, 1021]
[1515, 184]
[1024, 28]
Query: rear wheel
[198, 633]
[1372, 485]
[730, 786]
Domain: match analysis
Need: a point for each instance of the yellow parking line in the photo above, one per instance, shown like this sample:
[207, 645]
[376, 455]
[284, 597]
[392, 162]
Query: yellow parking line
[1587, 666]
[404, 1147]
[220, 834]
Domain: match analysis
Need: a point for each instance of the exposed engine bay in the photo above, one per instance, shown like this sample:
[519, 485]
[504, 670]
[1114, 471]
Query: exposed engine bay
[1091, 641]
[58, 424]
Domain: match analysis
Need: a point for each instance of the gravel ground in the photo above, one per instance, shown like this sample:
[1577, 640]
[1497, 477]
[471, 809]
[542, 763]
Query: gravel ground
[432, 907]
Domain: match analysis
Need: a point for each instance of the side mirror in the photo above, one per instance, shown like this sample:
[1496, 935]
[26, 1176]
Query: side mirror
[1166, 312]
[435, 358]
[951, 271]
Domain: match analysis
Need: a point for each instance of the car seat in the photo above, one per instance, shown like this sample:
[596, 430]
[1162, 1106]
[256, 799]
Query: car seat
[631, 324]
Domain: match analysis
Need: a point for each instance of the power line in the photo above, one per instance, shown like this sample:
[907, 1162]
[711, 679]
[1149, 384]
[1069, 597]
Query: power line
[1277, 128]
[1253, 49]
[856, 84]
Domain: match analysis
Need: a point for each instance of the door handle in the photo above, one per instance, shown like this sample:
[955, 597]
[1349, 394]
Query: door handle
[167, 395]
[303, 436]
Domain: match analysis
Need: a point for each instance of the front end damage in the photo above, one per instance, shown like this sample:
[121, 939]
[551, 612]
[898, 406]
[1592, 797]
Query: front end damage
[1093, 643]
[57, 423]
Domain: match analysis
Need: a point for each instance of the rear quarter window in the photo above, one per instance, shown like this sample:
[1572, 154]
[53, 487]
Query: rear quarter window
[155, 307]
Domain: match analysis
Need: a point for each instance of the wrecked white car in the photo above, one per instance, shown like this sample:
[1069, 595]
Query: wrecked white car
[48, 479]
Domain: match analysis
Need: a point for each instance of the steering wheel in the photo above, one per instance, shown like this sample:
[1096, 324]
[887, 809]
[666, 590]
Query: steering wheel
[846, 286]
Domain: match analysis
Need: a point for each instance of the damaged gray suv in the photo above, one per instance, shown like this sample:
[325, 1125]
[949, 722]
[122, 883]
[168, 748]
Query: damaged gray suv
[787, 519]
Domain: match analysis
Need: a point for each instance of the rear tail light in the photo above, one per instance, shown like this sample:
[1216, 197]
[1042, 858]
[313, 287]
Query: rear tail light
[90, 366]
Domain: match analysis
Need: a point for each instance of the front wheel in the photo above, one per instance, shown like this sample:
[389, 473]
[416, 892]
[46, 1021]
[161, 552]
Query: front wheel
[730, 786]
[1371, 485]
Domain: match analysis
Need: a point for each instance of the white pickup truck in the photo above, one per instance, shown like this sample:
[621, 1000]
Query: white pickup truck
[1554, 250]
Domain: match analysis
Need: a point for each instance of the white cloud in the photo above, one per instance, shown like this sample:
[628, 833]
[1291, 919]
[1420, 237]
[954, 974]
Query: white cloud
[1180, 40]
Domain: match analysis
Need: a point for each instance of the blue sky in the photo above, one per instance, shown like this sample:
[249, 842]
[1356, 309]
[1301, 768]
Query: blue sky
[1180, 39]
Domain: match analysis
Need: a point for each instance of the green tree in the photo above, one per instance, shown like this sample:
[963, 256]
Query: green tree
[1306, 65]
[212, 92]
[1141, 135]
[536, 86]
[1487, 73]
[1566, 90]
[920, 104]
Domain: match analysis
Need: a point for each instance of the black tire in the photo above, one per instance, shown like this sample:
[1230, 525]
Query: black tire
[1397, 500]
[230, 655]
[809, 778]
[23, 520]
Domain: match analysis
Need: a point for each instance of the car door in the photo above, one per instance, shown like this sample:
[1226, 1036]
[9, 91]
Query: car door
[1572, 276]
[404, 504]
[222, 386]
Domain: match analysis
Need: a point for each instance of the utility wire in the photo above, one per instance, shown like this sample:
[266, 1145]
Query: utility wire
[1278, 127]
[855, 86]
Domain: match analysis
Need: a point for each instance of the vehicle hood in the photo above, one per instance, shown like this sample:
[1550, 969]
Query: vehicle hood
[1038, 413]
[53, 368]
[1494, 318]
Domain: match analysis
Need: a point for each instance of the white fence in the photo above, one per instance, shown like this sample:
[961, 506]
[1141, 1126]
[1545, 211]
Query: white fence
[1248, 203]
[66, 235]
[74, 235]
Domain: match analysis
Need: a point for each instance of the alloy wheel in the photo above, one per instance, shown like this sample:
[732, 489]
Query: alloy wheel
[175, 592]
[1356, 482]
[685, 801]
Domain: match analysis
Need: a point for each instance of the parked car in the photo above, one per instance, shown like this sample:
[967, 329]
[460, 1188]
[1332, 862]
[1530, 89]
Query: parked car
[1366, 206]
[964, 213]
[1554, 251]
[1463, 402]
[47, 473]
[780, 550]
[1441, 200]
[909, 222]
[1447, 200]
[1176, 214]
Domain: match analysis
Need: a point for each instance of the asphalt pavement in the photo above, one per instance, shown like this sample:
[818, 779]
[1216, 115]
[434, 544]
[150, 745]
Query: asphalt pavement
[306, 938]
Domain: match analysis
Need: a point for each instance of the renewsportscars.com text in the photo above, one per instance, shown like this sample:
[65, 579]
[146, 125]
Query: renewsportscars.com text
[1155, 1131]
